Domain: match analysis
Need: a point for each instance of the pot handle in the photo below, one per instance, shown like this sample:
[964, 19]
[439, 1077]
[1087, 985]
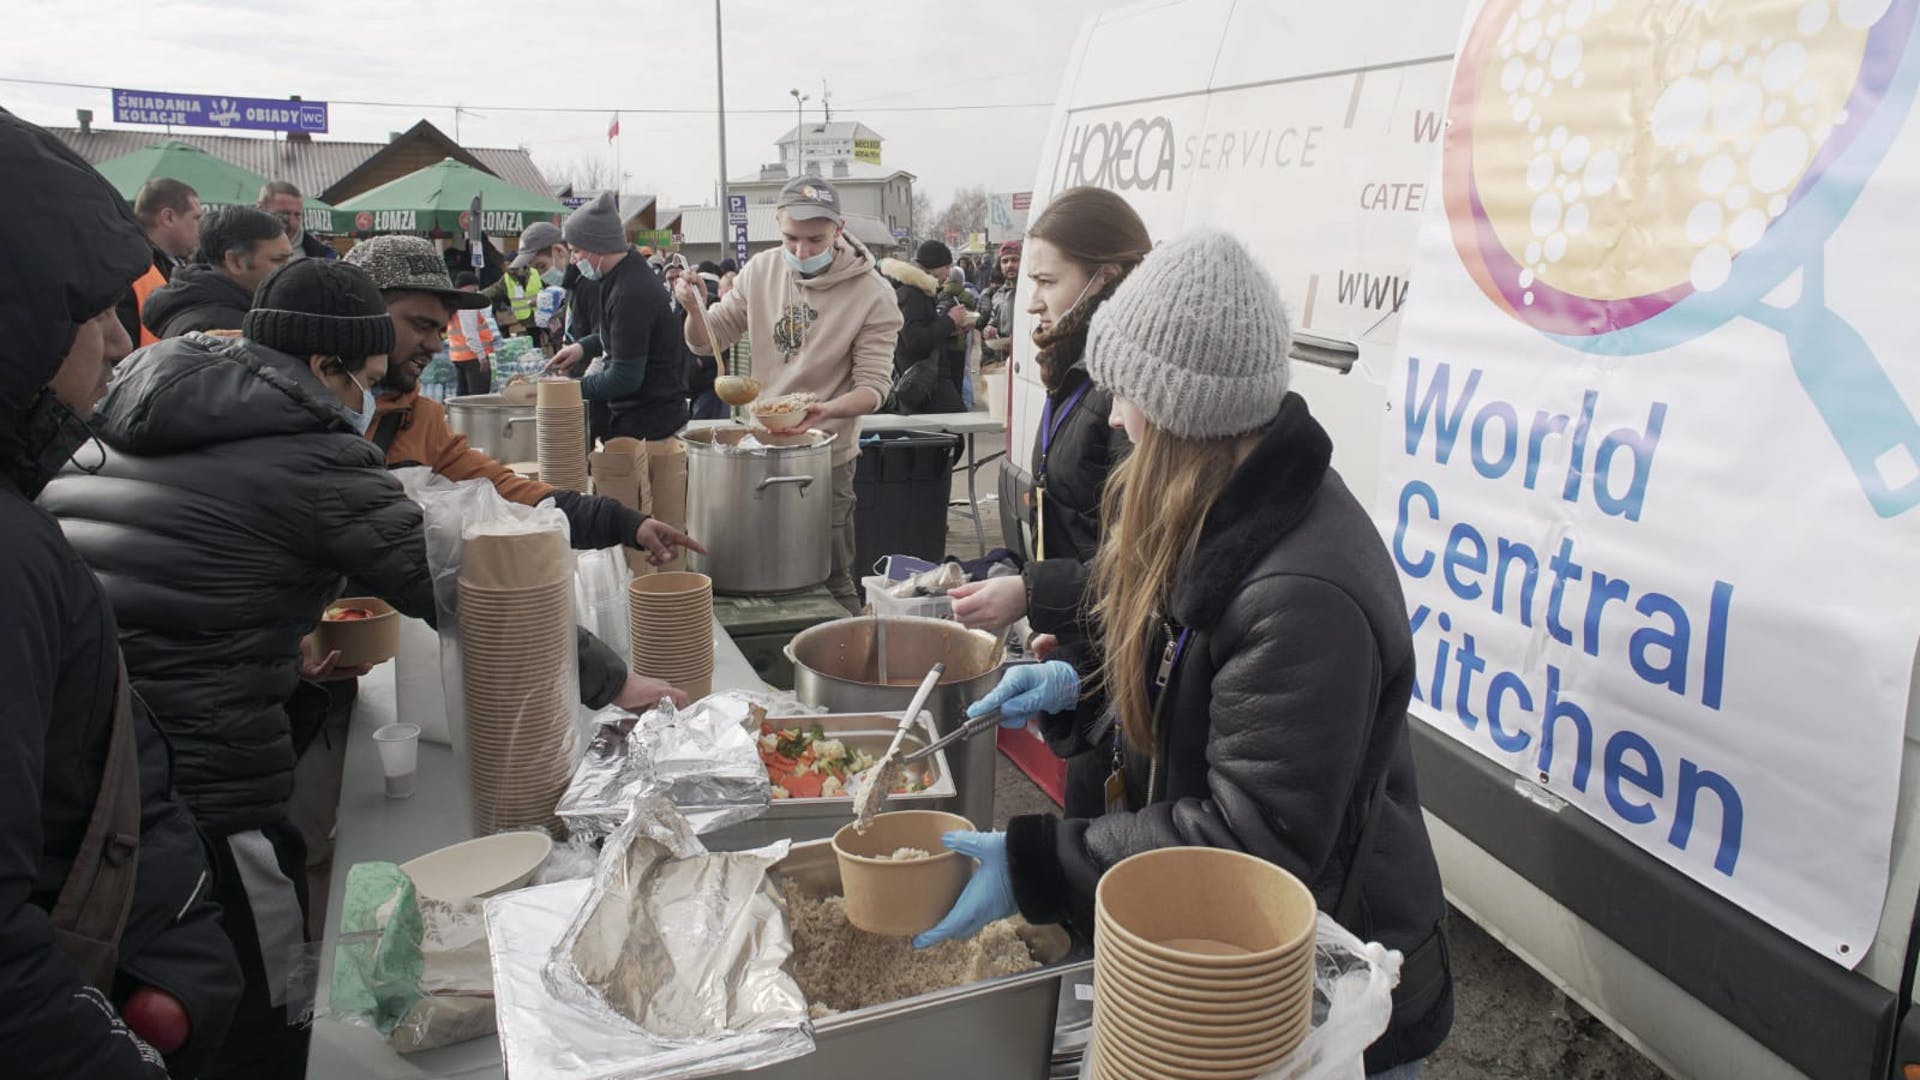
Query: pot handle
[512, 420]
[804, 482]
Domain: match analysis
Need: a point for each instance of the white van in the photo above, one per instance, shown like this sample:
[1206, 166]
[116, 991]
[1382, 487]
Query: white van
[1313, 131]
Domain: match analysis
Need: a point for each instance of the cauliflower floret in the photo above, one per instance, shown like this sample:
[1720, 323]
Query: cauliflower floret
[832, 788]
[770, 741]
[829, 750]
[780, 792]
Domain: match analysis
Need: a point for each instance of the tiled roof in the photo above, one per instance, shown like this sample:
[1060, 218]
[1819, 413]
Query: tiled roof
[313, 167]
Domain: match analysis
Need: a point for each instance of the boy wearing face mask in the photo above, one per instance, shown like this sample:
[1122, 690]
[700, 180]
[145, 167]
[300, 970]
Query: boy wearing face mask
[819, 320]
[232, 494]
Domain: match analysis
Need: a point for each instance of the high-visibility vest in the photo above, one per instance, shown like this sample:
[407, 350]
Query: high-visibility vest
[467, 328]
[143, 288]
[523, 297]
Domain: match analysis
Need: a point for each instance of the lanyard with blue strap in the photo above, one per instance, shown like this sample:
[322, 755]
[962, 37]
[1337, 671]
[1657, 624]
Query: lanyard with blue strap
[1049, 427]
[1116, 787]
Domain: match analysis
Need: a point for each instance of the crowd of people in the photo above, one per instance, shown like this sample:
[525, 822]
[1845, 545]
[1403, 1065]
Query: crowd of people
[1226, 659]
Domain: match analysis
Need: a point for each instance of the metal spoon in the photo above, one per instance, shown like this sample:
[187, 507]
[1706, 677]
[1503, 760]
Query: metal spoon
[880, 777]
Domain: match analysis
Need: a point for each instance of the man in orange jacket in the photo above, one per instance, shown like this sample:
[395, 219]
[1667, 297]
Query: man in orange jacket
[413, 430]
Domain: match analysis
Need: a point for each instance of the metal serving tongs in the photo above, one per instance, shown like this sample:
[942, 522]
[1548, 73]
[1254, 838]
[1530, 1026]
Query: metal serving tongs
[880, 777]
[986, 721]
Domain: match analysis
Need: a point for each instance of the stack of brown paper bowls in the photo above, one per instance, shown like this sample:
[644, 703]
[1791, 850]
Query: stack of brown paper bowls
[560, 428]
[670, 630]
[1203, 966]
[516, 648]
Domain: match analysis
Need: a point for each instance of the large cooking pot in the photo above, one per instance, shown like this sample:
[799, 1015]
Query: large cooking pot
[764, 513]
[502, 431]
[873, 664]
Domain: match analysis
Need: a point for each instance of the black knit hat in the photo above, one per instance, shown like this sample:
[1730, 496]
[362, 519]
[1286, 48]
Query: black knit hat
[933, 255]
[320, 307]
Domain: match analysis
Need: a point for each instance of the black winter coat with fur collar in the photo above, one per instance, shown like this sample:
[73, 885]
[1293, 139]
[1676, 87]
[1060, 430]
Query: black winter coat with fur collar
[1287, 707]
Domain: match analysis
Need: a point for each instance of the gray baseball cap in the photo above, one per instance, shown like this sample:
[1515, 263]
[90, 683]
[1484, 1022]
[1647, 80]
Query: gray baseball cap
[411, 264]
[809, 198]
[537, 238]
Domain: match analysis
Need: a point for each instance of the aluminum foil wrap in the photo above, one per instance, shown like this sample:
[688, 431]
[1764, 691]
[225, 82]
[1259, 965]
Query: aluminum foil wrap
[669, 964]
[702, 758]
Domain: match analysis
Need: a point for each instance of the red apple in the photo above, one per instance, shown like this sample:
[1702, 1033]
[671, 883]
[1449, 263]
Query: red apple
[157, 1017]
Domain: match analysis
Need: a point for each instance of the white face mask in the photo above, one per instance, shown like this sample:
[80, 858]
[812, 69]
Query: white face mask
[362, 418]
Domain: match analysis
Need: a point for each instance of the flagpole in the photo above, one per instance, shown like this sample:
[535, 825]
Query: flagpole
[616, 162]
[720, 89]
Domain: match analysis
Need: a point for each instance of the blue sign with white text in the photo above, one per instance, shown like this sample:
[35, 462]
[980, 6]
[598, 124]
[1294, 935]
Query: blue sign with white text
[216, 111]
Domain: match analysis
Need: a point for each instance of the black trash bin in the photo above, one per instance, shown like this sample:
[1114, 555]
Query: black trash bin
[902, 483]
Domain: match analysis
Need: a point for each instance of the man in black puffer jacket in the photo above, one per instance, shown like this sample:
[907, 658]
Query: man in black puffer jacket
[233, 497]
[68, 254]
[239, 247]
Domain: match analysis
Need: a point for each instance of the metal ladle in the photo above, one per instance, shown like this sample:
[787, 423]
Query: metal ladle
[880, 777]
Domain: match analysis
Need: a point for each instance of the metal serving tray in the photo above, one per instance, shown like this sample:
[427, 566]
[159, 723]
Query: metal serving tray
[1001, 1028]
[818, 819]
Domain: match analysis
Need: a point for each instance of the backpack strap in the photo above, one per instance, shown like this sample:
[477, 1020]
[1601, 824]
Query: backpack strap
[91, 910]
[387, 429]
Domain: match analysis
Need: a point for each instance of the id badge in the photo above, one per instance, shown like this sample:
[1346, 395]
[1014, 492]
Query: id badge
[1116, 792]
[1040, 521]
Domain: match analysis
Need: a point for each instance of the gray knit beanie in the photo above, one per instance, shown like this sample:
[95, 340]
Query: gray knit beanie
[596, 227]
[1196, 338]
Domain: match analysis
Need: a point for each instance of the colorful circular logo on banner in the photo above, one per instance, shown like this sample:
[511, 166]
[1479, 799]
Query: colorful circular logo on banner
[363, 221]
[466, 220]
[1593, 200]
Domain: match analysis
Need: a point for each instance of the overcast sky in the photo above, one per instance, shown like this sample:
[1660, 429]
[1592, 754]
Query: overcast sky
[873, 54]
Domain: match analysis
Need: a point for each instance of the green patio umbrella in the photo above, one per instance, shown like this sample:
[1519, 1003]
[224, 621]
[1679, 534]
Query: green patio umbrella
[436, 200]
[217, 181]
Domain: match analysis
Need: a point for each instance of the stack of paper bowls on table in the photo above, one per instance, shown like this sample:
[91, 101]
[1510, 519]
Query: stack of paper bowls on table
[560, 427]
[1203, 966]
[517, 662]
[670, 630]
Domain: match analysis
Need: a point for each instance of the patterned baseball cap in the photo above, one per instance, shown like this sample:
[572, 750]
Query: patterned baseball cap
[411, 264]
[809, 198]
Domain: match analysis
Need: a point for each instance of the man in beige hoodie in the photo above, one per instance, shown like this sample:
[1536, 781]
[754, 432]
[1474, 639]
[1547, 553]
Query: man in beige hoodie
[819, 320]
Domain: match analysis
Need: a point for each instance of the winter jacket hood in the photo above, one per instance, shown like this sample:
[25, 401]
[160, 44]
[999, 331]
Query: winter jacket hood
[1284, 726]
[69, 248]
[199, 297]
[901, 272]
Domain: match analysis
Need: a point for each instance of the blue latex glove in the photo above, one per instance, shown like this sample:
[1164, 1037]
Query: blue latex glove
[1029, 689]
[988, 896]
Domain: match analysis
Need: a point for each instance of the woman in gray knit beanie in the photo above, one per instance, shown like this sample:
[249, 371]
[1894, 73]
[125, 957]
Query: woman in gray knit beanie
[1254, 651]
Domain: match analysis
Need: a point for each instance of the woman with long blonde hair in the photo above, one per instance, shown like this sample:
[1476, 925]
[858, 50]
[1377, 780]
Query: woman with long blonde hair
[1252, 645]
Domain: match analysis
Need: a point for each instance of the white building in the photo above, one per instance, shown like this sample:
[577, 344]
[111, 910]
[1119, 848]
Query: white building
[847, 154]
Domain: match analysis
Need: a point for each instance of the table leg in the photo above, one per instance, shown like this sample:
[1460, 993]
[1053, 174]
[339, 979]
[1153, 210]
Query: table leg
[973, 497]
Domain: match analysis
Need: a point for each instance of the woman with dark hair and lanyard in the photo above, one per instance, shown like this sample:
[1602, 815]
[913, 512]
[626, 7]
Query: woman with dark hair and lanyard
[1076, 254]
[1251, 644]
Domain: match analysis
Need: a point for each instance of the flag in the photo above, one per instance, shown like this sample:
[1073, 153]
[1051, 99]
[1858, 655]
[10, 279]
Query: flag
[613, 128]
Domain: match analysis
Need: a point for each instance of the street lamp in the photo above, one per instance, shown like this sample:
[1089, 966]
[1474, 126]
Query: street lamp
[799, 131]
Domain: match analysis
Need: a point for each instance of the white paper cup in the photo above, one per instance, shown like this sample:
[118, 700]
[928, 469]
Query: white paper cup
[399, 757]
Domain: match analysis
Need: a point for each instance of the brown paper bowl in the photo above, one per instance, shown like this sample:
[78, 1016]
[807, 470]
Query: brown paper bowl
[785, 420]
[1229, 1040]
[1209, 893]
[1248, 1022]
[1215, 1005]
[900, 899]
[362, 641]
[510, 561]
[1117, 949]
[554, 393]
[672, 584]
[1147, 1059]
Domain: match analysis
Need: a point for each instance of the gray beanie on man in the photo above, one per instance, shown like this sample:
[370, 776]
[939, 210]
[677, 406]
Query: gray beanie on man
[596, 227]
[1195, 337]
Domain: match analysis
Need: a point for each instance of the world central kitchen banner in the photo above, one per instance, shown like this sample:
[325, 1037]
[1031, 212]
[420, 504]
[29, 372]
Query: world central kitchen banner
[1651, 471]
